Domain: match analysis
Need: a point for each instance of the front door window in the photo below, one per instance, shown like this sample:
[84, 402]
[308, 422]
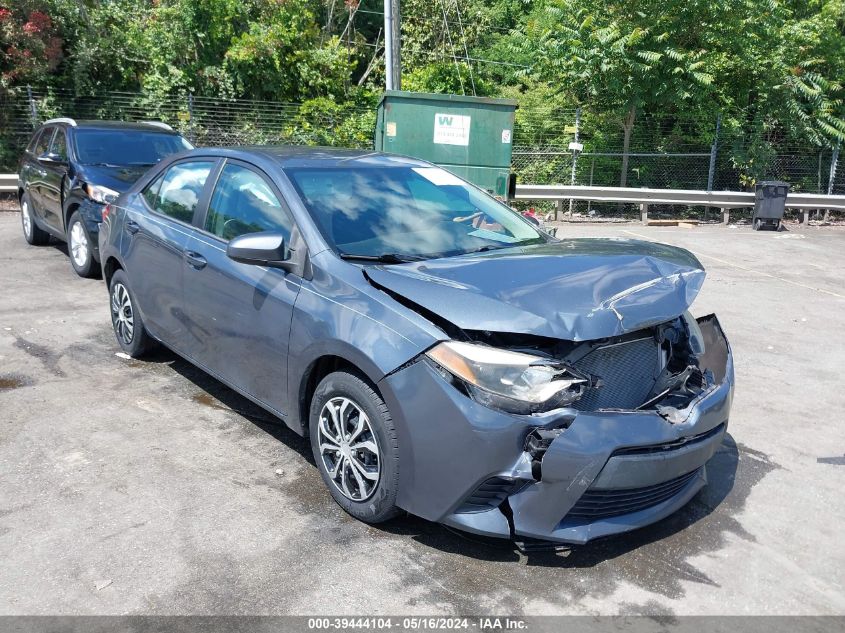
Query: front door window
[243, 202]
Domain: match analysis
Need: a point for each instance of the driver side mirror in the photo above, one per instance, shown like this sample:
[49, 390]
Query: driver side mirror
[51, 158]
[261, 249]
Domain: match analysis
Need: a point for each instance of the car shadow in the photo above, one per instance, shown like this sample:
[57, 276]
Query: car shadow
[214, 394]
[62, 247]
[722, 485]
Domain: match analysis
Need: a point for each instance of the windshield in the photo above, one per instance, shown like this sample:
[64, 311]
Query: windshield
[396, 212]
[126, 147]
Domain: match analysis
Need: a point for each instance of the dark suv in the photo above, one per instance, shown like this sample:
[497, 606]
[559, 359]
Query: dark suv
[71, 169]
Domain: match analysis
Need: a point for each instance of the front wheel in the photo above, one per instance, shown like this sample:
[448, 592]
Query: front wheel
[354, 444]
[31, 233]
[126, 321]
[79, 248]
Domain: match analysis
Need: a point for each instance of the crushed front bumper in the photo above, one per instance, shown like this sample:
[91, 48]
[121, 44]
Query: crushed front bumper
[606, 472]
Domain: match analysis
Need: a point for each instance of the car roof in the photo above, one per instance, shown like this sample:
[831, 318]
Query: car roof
[291, 156]
[138, 126]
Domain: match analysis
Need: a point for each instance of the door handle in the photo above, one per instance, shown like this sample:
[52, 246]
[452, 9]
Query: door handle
[132, 226]
[195, 260]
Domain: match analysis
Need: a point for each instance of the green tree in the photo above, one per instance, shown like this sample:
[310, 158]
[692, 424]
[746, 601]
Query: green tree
[623, 57]
[30, 41]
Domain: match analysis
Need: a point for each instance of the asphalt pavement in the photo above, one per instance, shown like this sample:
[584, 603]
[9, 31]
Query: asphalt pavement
[147, 487]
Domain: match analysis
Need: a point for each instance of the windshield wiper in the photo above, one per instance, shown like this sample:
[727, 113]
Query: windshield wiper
[486, 247]
[384, 258]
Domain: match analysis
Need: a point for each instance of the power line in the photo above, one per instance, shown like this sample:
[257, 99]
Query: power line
[455, 58]
[466, 51]
[471, 59]
[451, 45]
[503, 29]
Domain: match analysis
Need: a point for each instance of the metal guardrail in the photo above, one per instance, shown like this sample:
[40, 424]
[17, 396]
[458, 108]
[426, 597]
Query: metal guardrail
[724, 200]
[8, 183]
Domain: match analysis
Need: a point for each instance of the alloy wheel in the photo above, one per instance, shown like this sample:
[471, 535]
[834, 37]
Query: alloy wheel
[26, 219]
[78, 244]
[349, 448]
[122, 315]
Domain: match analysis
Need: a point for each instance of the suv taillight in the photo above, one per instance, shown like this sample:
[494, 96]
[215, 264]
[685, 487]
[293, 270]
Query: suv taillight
[106, 211]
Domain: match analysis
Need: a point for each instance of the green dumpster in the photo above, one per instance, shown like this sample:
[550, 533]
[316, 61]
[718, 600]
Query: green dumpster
[469, 136]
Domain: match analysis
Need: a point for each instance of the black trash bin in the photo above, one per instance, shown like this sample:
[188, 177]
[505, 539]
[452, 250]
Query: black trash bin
[769, 204]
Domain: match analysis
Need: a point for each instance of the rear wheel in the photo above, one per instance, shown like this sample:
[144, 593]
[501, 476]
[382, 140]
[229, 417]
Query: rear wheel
[354, 444]
[758, 224]
[79, 248]
[31, 233]
[128, 326]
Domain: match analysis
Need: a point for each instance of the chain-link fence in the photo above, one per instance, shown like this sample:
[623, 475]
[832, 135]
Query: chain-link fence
[677, 151]
[205, 121]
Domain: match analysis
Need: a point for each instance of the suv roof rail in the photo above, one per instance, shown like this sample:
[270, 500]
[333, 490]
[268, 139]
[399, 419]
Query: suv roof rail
[159, 124]
[62, 119]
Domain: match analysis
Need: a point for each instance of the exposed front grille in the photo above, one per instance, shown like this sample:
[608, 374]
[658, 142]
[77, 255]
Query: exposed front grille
[597, 504]
[490, 494]
[627, 371]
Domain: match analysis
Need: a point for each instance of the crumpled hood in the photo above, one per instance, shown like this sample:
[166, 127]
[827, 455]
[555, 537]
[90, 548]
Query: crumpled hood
[578, 289]
[117, 178]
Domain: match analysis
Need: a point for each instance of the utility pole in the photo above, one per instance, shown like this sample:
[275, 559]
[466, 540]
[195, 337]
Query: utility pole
[576, 148]
[392, 60]
[711, 171]
[714, 148]
[833, 162]
[33, 110]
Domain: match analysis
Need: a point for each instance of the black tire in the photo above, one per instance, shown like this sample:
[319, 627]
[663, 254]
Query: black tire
[86, 266]
[379, 504]
[31, 233]
[757, 225]
[135, 341]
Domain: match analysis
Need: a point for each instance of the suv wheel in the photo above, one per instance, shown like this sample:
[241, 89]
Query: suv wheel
[79, 248]
[355, 447]
[31, 233]
[128, 326]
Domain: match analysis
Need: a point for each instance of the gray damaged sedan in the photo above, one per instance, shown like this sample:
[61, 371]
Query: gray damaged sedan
[445, 357]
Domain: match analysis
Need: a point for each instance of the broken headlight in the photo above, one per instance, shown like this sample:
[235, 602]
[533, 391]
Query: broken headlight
[512, 381]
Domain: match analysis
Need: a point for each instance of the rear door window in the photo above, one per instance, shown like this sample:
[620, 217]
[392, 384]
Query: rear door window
[180, 190]
[43, 143]
[33, 141]
[59, 146]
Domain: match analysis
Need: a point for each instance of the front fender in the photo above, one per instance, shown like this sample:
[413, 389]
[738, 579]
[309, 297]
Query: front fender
[338, 315]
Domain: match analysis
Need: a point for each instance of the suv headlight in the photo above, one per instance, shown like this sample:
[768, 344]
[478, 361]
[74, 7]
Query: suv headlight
[512, 381]
[101, 194]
